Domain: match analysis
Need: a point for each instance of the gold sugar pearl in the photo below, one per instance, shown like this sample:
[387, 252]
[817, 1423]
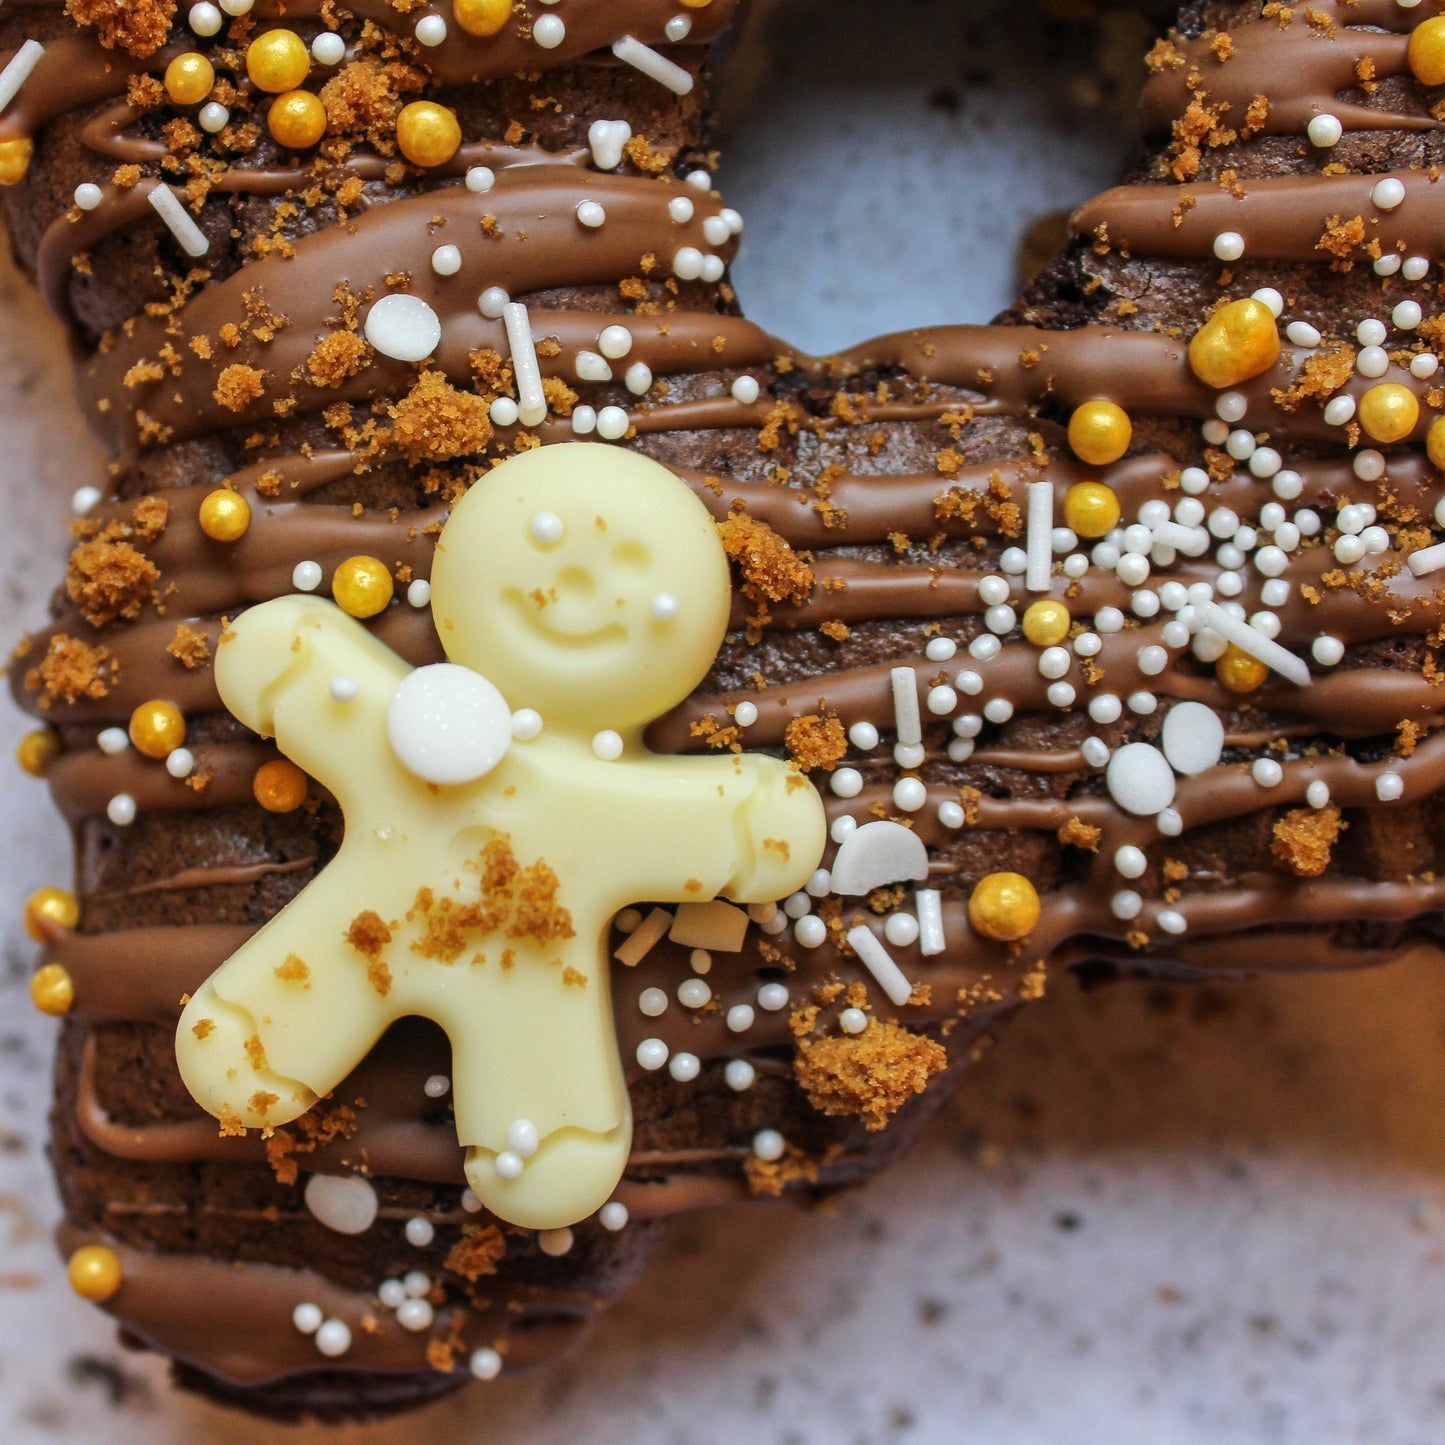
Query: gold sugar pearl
[1435, 443]
[696, 4]
[1240, 672]
[1099, 432]
[483, 17]
[36, 750]
[189, 78]
[1240, 341]
[157, 728]
[1388, 412]
[225, 515]
[279, 786]
[15, 159]
[50, 906]
[362, 586]
[52, 990]
[1426, 51]
[297, 120]
[1091, 509]
[1046, 622]
[95, 1272]
[427, 133]
[277, 61]
[1004, 906]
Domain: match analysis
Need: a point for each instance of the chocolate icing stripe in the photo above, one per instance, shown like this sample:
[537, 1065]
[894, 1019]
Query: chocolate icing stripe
[1282, 218]
[171, 1302]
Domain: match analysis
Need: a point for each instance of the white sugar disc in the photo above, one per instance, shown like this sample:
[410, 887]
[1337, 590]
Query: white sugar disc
[1192, 737]
[448, 724]
[403, 327]
[1140, 780]
[875, 855]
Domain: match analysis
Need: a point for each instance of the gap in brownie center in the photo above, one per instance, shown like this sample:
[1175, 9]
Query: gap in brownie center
[890, 160]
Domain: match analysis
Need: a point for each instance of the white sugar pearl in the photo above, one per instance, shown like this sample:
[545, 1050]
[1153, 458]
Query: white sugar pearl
[88, 195]
[846, 783]
[446, 260]
[712, 268]
[951, 815]
[328, 48]
[492, 301]
[1368, 465]
[1264, 462]
[437, 1086]
[1105, 708]
[1169, 823]
[1229, 406]
[1389, 787]
[700, 178]
[1339, 410]
[591, 367]
[1214, 432]
[590, 214]
[652, 1002]
[306, 576]
[418, 593]
[1130, 861]
[1171, 920]
[333, 1338]
[549, 31]
[863, 736]
[687, 263]
[693, 993]
[1388, 264]
[526, 725]
[1267, 773]
[942, 700]
[479, 180]
[853, 1021]
[1095, 751]
[213, 117]
[1152, 660]
[993, 590]
[1287, 485]
[680, 209]
[607, 745]
[430, 30]
[1302, 334]
[509, 1165]
[415, 1315]
[1054, 662]
[180, 762]
[810, 931]
[746, 390]
[1126, 904]
[485, 1364]
[416, 1283]
[1142, 703]
[1425, 365]
[613, 1215]
[968, 682]
[1088, 644]
[716, 231]
[652, 1053]
[1407, 315]
[773, 996]
[1317, 795]
[1388, 193]
[1324, 131]
[739, 1075]
[1108, 619]
[1133, 569]
[684, 1067]
[1370, 332]
[1327, 651]
[121, 810]
[1000, 619]
[638, 378]
[612, 423]
[740, 1018]
[1193, 480]
[1013, 561]
[1229, 245]
[1415, 268]
[1372, 361]
[769, 1145]
[1268, 296]
[307, 1317]
[745, 714]
[419, 1232]
[204, 19]
[998, 709]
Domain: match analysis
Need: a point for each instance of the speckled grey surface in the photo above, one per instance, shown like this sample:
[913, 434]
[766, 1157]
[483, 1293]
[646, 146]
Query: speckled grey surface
[1156, 1217]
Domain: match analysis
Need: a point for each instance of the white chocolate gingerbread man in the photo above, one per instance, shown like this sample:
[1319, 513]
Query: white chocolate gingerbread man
[483, 860]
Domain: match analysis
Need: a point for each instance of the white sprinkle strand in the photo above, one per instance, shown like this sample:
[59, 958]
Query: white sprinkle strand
[929, 903]
[189, 236]
[532, 400]
[18, 71]
[905, 705]
[879, 962]
[1427, 559]
[631, 51]
[1254, 642]
[606, 139]
[1039, 542]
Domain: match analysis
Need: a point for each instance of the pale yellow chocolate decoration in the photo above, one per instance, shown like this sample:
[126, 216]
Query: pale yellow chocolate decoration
[585, 583]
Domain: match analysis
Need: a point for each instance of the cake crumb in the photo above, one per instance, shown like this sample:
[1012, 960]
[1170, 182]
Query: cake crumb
[767, 561]
[478, 1252]
[870, 1075]
[816, 741]
[1304, 837]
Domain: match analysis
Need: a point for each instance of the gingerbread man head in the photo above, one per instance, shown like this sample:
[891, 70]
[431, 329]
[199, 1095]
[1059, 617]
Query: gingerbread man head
[598, 602]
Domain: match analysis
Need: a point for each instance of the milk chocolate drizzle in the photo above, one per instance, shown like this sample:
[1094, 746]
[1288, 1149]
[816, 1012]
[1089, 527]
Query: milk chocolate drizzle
[1334, 731]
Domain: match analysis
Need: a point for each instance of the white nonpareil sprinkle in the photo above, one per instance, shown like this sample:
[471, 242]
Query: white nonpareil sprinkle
[555, 1242]
[929, 903]
[769, 1145]
[772, 997]
[88, 195]
[1324, 131]
[17, 72]
[121, 810]
[1126, 904]
[1039, 539]
[345, 1203]
[549, 31]
[613, 1215]
[652, 1002]
[1192, 737]
[480, 179]
[612, 423]
[112, 741]
[419, 1232]
[333, 1338]
[1426, 560]
[403, 327]
[205, 19]
[909, 795]
[1389, 787]
[327, 49]
[1388, 193]
[694, 993]
[1140, 779]
[905, 705]
[1254, 642]
[307, 1317]
[418, 594]
[591, 214]
[591, 367]
[810, 931]
[606, 138]
[415, 1315]
[189, 236]
[631, 51]
[180, 762]
[1317, 795]
[344, 689]
[879, 962]
[430, 30]
[640, 941]
[437, 1086]
[531, 399]
[745, 714]
[306, 576]
[739, 1075]
[509, 1165]
[416, 1283]
[846, 783]
[1301, 333]
[213, 117]
[678, 29]
[901, 929]
[638, 378]
[746, 390]
[1130, 861]
[652, 1054]
[485, 1364]
[1228, 246]
[84, 499]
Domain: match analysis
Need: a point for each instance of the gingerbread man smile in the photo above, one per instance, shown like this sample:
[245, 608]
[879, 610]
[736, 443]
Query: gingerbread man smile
[500, 808]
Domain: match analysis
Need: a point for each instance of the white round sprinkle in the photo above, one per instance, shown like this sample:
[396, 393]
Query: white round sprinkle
[769, 1145]
[652, 1002]
[522, 1137]
[687, 263]
[307, 1317]
[1301, 333]
[555, 1242]
[684, 1067]
[1339, 410]
[504, 411]
[1267, 773]
[1170, 823]
[333, 1338]
[391, 1292]
[1317, 795]
[121, 810]
[693, 993]
[746, 390]
[88, 195]
[345, 1203]
[739, 1075]
[1271, 298]
[846, 783]
[853, 1021]
[485, 1364]
[1371, 331]
[1372, 361]
[740, 1018]
[509, 1165]
[213, 117]
[680, 208]
[1192, 737]
[237, 7]
[1171, 920]
[481, 179]
[901, 929]
[1415, 268]
[700, 178]
[612, 423]
[652, 1053]
[446, 260]
[909, 794]
[638, 378]
[1130, 861]
[328, 48]
[993, 590]
[419, 1232]
[591, 214]
[1388, 193]
[1105, 708]
[306, 576]
[526, 725]
[437, 1086]
[1388, 264]
[1327, 651]
[678, 29]
[547, 528]
[1126, 904]
[607, 745]
[1426, 364]
[416, 1283]
[418, 593]
[1140, 779]
[613, 1215]
[204, 19]
[1229, 246]
[430, 30]
[84, 499]
[810, 931]
[403, 327]
[344, 689]
[773, 996]
[1324, 131]
[180, 762]
[549, 31]
[415, 1315]
[1389, 787]
[1095, 751]
[112, 741]
[1407, 315]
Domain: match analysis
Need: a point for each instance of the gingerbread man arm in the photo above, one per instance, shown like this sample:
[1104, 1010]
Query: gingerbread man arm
[275, 669]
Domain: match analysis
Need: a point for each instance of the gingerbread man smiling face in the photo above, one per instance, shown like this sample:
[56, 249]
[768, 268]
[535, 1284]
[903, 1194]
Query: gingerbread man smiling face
[500, 808]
